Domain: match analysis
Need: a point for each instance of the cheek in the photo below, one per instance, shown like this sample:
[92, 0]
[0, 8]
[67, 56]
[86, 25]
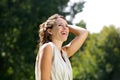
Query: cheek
[68, 29]
[55, 31]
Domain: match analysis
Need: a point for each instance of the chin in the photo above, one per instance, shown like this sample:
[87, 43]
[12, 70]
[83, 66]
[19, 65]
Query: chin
[64, 39]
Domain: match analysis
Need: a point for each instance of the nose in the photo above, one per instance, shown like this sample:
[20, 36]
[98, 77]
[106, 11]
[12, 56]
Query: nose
[65, 27]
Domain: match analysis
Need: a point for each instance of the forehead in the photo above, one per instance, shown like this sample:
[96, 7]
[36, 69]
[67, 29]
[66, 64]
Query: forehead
[61, 21]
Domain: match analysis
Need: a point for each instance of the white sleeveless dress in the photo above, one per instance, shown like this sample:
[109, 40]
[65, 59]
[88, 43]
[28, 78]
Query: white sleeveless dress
[61, 69]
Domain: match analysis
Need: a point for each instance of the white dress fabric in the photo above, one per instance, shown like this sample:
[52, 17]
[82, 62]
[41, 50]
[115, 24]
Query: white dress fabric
[61, 68]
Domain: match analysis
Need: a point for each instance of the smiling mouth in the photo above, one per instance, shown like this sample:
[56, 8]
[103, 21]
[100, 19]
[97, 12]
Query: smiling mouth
[64, 33]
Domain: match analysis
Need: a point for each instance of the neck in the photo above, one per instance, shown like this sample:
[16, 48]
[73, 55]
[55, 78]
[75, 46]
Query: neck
[58, 44]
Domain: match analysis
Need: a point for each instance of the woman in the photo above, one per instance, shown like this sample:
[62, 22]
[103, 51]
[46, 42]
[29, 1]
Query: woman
[52, 61]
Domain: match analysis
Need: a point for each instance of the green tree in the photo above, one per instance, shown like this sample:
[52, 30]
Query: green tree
[109, 43]
[99, 58]
[84, 62]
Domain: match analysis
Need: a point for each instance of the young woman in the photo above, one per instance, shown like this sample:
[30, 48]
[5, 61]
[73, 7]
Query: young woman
[52, 61]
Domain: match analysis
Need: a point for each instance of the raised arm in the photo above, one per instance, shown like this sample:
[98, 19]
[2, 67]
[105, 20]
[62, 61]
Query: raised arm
[76, 43]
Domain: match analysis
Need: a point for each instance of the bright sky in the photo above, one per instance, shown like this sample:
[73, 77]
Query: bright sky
[97, 13]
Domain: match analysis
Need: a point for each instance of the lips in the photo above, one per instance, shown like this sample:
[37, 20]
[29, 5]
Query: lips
[64, 33]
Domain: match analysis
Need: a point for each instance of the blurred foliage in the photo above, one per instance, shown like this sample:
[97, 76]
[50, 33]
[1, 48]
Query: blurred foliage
[19, 25]
[100, 57]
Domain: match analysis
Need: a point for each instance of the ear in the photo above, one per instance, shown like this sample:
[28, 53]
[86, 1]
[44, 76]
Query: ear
[49, 31]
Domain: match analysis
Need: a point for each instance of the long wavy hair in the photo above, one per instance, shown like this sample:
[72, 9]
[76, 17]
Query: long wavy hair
[44, 36]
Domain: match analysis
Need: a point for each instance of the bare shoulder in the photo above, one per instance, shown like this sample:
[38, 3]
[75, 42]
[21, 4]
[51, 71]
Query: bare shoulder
[45, 50]
[45, 46]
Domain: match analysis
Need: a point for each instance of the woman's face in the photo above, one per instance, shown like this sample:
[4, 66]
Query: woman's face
[60, 31]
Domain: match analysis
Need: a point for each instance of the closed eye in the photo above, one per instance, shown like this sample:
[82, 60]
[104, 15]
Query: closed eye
[59, 25]
[62, 25]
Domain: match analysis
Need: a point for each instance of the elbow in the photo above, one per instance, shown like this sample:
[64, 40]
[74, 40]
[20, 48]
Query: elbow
[85, 32]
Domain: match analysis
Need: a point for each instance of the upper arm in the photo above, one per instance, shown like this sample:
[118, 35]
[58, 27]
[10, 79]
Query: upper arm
[46, 61]
[75, 44]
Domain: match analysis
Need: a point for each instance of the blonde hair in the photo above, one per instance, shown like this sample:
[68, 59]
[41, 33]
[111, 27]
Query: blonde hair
[45, 37]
